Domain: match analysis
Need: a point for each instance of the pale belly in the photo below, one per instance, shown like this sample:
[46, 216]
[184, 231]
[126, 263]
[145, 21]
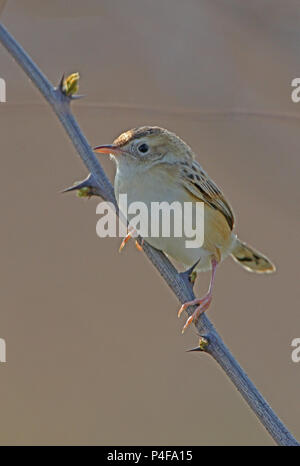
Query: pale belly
[149, 189]
[176, 249]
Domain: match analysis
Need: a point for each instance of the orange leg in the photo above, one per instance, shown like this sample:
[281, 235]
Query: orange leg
[139, 246]
[125, 240]
[203, 303]
[128, 237]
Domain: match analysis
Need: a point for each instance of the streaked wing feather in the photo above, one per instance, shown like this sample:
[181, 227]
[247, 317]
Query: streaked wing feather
[203, 188]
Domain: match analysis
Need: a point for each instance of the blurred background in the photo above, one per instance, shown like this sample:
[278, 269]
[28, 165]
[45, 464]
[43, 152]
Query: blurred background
[94, 348]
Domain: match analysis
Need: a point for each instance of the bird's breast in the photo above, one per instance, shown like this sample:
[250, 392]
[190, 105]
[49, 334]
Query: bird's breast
[160, 187]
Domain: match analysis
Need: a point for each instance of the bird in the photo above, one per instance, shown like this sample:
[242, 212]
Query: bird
[153, 164]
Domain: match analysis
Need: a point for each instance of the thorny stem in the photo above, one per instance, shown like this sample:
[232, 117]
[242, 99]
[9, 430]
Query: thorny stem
[179, 283]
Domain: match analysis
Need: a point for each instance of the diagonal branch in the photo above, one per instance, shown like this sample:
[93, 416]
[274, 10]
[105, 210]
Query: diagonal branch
[210, 341]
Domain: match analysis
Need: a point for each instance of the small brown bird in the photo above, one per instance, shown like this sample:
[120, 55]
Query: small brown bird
[155, 165]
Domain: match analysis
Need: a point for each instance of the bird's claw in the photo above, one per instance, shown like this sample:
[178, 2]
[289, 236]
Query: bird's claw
[203, 305]
[131, 232]
[125, 240]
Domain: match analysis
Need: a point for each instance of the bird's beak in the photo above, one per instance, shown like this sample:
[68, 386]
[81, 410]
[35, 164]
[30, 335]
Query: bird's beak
[109, 149]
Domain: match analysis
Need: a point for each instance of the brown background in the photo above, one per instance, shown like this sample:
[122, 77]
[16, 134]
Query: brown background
[94, 350]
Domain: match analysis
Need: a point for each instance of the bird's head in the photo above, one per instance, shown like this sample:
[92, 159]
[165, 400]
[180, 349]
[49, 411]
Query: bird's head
[147, 146]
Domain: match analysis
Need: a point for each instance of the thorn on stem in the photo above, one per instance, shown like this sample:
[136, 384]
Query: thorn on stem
[84, 188]
[61, 83]
[203, 344]
[190, 275]
[77, 96]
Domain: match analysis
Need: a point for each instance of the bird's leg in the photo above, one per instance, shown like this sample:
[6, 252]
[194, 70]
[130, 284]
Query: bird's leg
[130, 234]
[125, 240]
[203, 303]
[138, 245]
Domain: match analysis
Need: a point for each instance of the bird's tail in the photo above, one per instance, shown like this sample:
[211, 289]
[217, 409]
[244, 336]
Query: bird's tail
[251, 259]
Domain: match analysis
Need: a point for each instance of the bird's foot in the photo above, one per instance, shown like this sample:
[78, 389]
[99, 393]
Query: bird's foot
[138, 245]
[202, 303]
[125, 240]
[131, 232]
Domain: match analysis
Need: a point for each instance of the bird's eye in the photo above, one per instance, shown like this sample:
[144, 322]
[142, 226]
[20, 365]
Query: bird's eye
[143, 148]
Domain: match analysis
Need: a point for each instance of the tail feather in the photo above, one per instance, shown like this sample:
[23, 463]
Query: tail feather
[251, 259]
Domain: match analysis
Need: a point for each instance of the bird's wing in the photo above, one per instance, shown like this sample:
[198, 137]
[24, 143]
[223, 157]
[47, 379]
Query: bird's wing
[198, 183]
